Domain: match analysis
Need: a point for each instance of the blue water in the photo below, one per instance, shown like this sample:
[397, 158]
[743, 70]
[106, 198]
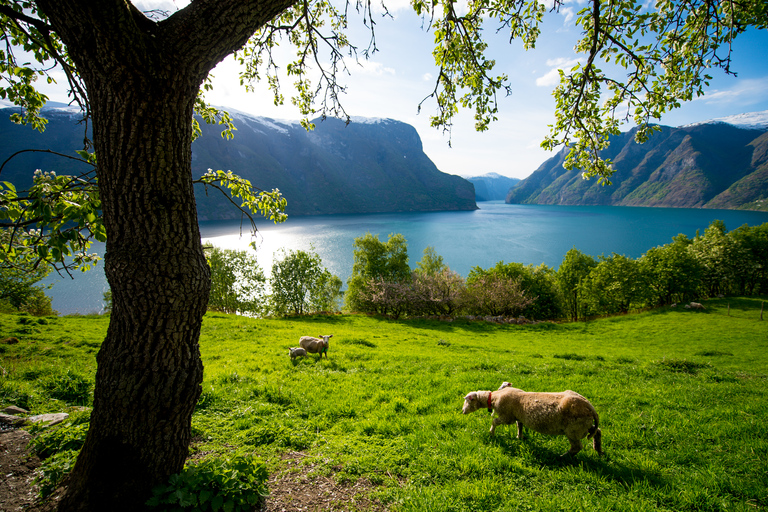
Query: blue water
[496, 232]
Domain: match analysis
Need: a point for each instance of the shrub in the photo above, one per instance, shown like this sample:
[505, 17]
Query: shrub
[214, 484]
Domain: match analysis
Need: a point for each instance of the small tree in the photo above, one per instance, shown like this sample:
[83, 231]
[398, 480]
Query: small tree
[300, 284]
[496, 295]
[390, 298]
[753, 270]
[439, 293]
[574, 269]
[538, 282]
[672, 272]
[237, 282]
[375, 261]
[437, 290]
[614, 285]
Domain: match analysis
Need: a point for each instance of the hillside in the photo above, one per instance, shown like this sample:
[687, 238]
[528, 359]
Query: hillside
[492, 186]
[365, 167]
[707, 165]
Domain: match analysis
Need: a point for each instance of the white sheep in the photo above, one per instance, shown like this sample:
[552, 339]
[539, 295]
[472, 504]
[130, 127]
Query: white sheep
[695, 305]
[295, 352]
[555, 414]
[316, 345]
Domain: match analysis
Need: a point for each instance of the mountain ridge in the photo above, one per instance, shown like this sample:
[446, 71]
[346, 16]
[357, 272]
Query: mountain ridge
[368, 166]
[702, 165]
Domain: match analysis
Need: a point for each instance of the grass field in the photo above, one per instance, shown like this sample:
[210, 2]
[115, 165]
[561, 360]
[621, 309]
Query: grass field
[682, 397]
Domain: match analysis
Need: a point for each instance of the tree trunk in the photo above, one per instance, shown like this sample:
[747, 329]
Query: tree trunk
[149, 369]
[142, 79]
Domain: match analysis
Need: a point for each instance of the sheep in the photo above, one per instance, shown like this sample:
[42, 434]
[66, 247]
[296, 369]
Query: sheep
[695, 305]
[567, 413]
[296, 352]
[317, 345]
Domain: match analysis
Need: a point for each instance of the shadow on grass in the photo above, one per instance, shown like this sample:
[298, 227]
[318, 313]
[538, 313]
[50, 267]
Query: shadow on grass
[473, 326]
[537, 454]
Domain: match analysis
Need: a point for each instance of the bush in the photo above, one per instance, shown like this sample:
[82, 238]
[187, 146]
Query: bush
[214, 484]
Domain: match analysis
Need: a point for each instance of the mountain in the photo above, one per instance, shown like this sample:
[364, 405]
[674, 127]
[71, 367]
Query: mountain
[367, 166]
[492, 186]
[716, 164]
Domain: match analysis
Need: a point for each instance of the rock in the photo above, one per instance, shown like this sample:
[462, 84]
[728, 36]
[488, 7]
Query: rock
[12, 420]
[15, 410]
[53, 418]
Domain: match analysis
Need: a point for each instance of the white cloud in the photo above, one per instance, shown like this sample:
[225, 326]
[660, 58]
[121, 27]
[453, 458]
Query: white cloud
[370, 67]
[746, 92]
[568, 15]
[552, 77]
[427, 77]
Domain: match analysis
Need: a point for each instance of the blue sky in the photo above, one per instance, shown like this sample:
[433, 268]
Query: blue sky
[393, 82]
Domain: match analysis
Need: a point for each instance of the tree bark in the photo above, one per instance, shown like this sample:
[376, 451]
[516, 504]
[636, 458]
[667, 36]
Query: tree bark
[142, 79]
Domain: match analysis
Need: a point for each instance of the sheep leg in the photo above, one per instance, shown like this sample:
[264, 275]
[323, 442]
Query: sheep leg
[575, 447]
[493, 425]
[519, 430]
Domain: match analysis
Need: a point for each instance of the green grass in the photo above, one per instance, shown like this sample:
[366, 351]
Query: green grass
[682, 397]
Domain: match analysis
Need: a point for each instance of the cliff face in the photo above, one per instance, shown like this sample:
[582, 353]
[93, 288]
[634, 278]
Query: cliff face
[365, 167]
[713, 165]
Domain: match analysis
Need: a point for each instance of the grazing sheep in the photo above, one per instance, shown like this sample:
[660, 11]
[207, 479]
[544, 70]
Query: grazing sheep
[695, 305]
[555, 414]
[297, 352]
[316, 345]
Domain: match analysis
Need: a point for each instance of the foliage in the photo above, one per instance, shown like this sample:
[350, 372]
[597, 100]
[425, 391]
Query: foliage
[672, 272]
[438, 292]
[753, 269]
[270, 205]
[667, 51]
[614, 285]
[718, 263]
[53, 223]
[237, 281]
[19, 288]
[571, 276]
[300, 284]
[496, 295]
[236, 484]
[376, 262]
[431, 263]
[537, 282]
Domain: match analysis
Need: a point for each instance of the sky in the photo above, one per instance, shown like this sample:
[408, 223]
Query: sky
[393, 82]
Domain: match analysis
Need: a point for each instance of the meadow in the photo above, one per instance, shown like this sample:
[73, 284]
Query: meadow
[681, 394]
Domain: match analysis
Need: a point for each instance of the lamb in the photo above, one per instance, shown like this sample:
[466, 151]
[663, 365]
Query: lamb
[554, 414]
[297, 352]
[316, 345]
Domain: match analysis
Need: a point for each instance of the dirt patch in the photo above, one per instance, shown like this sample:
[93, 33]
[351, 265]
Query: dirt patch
[292, 488]
[17, 468]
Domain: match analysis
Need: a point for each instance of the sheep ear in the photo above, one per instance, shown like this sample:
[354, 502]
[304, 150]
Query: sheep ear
[471, 396]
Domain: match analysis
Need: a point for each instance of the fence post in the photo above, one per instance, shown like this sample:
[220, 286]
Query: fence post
[762, 305]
